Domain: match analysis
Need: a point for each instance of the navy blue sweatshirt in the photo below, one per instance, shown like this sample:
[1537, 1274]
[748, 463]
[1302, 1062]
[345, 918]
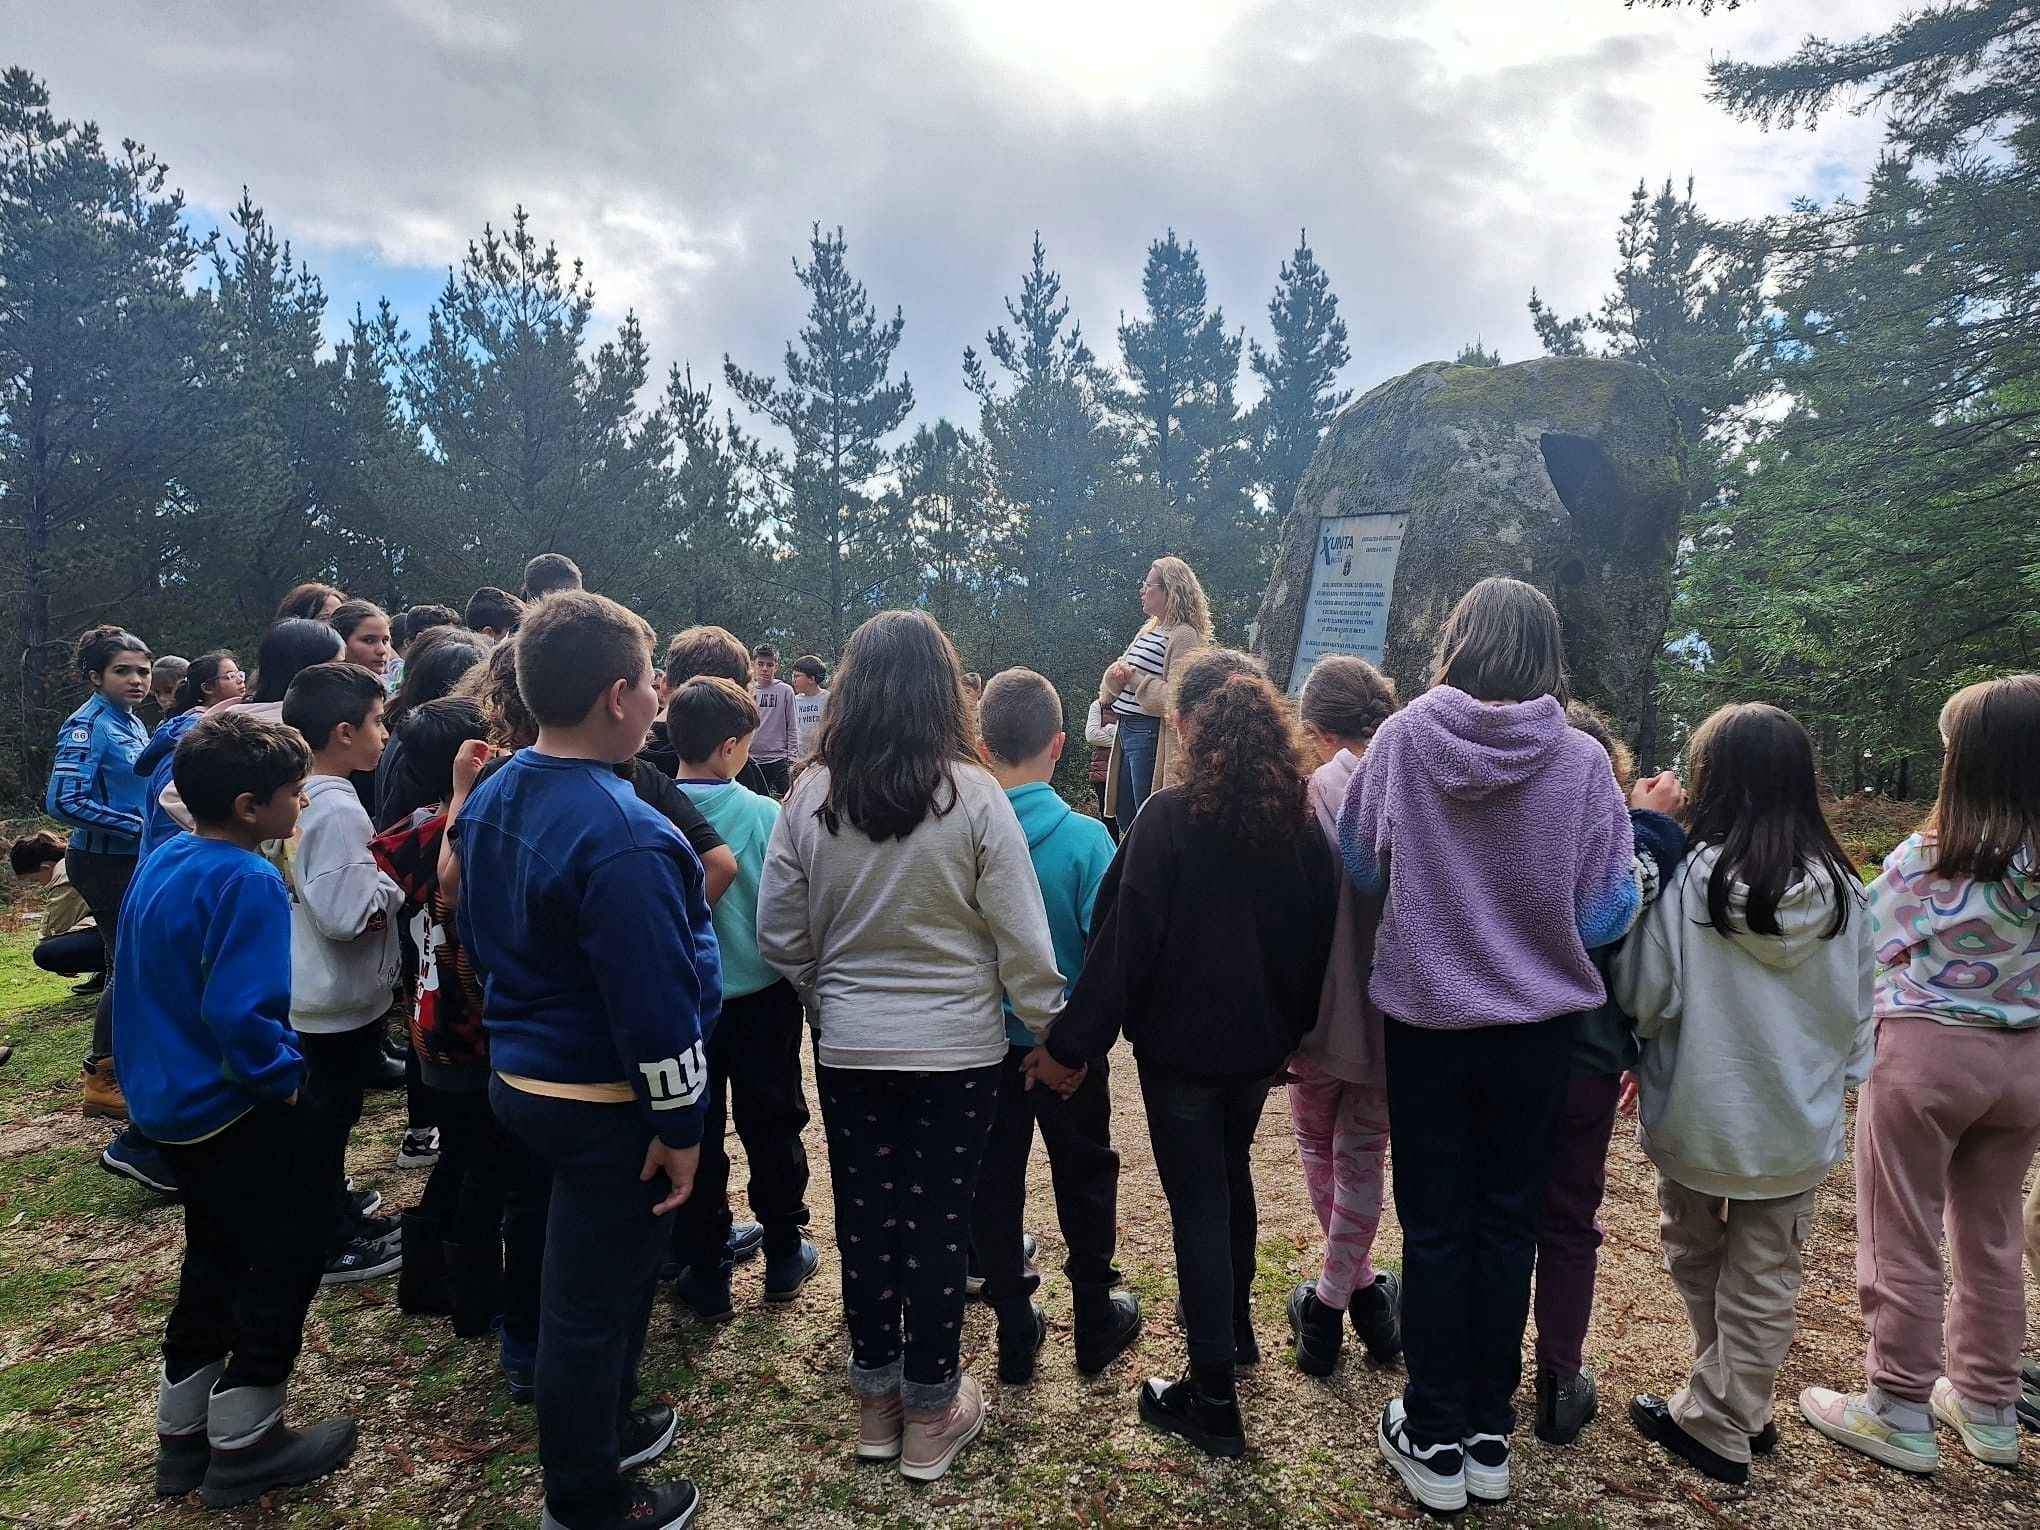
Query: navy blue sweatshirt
[584, 915]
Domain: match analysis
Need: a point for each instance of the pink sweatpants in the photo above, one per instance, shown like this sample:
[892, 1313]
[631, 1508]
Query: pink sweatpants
[1342, 1138]
[1945, 1130]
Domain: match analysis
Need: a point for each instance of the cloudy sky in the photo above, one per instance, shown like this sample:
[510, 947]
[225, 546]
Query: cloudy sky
[1446, 155]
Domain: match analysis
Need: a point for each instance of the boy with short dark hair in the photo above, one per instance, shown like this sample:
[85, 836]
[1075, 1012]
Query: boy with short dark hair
[694, 652]
[203, 1028]
[777, 743]
[494, 613]
[807, 675]
[343, 945]
[583, 913]
[1021, 737]
[548, 574]
[754, 1055]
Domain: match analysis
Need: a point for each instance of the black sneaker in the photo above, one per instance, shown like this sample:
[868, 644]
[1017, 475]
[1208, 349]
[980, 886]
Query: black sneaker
[419, 1149]
[377, 1229]
[745, 1239]
[366, 1203]
[2029, 1393]
[1317, 1329]
[388, 1073]
[706, 1295]
[1567, 1404]
[1434, 1475]
[1376, 1315]
[1023, 1329]
[1202, 1415]
[1487, 1467]
[660, 1506]
[785, 1274]
[1653, 1419]
[1765, 1440]
[363, 1259]
[645, 1435]
[1105, 1328]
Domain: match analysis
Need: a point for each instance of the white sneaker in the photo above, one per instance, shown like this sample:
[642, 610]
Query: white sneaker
[1487, 1467]
[1994, 1444]
[1434, 1475]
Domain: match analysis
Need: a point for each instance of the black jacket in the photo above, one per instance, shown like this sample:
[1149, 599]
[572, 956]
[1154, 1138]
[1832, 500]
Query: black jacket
[1208, 954]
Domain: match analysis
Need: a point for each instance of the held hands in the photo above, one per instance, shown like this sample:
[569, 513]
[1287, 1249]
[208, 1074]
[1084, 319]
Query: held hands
[678, 1165]
[1660, 793]
[1044, 1070]
[1625, 1102]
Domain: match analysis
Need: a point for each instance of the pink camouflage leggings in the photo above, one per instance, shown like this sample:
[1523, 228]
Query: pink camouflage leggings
[1342, 1138]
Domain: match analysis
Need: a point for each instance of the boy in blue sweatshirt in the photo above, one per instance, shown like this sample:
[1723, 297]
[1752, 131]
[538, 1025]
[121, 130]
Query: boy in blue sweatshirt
[583, 913]
[212, 1070]
[1020, 722]
[754, 1055]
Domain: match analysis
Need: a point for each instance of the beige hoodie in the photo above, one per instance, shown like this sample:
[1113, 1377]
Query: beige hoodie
[902, 949]
[1748, 1040]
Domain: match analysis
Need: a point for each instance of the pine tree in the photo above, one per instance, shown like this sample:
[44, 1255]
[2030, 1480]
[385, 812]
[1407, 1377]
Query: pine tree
[543, 444]
[841, 543]
[1053, 464]
[1300, 376]
[720, 499]
[1193, 443]
[1475, 354]
[950, 517]
[103, 356]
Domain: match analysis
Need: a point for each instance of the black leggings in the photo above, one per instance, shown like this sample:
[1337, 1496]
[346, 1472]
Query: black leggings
[102, 881]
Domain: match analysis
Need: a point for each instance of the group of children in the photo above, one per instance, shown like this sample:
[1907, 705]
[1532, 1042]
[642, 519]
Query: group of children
[606, 938]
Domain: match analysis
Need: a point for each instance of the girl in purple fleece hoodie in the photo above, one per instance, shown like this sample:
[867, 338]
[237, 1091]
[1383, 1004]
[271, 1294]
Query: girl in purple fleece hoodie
[1503, 847]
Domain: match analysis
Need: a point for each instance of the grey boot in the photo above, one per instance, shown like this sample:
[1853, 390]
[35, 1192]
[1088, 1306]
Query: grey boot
[255, 1452]
[181, 1450]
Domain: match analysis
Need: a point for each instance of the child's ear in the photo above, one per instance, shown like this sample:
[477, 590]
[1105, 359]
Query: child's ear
[984, 751]
[245, 808]
[1055, 747]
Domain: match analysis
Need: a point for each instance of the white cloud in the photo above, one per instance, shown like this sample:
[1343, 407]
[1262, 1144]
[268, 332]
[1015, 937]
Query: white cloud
[1445, 156]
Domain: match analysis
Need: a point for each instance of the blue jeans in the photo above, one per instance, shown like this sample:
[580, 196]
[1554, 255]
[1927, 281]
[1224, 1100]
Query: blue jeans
[603, 1249]
[1138, 739]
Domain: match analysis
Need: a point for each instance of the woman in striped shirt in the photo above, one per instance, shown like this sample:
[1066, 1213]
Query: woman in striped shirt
[1135, 688]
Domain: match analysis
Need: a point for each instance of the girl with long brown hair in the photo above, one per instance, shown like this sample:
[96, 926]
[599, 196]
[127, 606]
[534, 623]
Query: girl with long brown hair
[898, 896]
[1749, 980]
[1950, 1118]
[1208, 949]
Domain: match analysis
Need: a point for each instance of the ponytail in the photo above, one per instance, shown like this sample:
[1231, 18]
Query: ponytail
[100, 646]
[1246, 769]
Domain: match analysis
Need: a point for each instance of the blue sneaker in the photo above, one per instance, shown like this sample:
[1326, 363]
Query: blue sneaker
[133, 1156]
[746, 1238]
[520, 1365]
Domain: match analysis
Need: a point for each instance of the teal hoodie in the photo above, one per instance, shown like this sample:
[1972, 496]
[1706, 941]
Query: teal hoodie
[744, 820]
[1070, 853]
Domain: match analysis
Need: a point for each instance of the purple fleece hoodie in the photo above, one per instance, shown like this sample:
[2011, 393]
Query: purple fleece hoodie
[1504, 848]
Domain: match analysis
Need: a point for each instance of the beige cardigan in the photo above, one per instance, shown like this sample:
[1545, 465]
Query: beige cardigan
[1152, 693]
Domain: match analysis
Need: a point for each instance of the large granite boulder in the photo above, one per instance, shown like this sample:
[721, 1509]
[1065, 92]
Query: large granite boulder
[1566, 472]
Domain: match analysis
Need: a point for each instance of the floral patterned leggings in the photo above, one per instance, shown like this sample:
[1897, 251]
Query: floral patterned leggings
[904, 1151]
[1342, 1138]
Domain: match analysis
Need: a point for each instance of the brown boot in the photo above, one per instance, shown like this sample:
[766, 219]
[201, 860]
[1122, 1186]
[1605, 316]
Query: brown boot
[102, 1091]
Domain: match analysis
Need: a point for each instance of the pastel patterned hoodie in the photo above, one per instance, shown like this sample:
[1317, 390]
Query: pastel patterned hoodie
[1955, 950]
[1504, 849]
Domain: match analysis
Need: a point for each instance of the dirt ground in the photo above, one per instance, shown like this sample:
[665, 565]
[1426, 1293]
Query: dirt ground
[87, 1262]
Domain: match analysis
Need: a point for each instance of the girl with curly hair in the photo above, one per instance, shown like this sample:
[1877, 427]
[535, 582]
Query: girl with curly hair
[1208, 949]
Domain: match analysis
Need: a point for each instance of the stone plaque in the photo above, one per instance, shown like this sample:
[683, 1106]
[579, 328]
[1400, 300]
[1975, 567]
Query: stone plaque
[1352, 577]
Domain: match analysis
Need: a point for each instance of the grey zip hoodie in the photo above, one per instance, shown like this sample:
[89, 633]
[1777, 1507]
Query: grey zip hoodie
[1748, 1040]
[343, 914]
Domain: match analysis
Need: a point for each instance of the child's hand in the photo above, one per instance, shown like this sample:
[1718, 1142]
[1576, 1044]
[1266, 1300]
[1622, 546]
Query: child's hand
[468, 763]
[1625, 1102]
[1044, 1070]
[678, 1165]
[1660, 793]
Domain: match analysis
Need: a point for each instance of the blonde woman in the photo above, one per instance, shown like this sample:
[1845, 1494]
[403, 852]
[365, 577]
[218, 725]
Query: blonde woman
[1135, 688]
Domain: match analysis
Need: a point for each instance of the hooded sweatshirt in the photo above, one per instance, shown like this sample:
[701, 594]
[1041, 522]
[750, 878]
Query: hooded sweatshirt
[1955, 950]
[1748, 1040]
[744, 820]
[1503, 846]
[1346, 1042]
[155, 764]
[1070, 854]
[343, 914]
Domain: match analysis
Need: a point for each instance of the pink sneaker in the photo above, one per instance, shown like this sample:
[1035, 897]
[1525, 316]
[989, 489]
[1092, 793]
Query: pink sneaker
[879, 1422]
[933, 1439]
